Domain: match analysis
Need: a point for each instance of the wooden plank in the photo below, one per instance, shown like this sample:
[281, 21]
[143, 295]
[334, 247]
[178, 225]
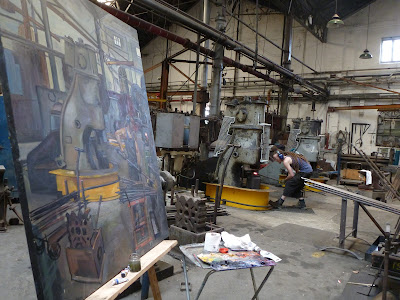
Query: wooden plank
[109, 291]
[154, 283]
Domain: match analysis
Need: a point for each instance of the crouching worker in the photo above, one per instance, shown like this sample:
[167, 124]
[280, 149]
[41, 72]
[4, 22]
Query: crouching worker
[294, 182]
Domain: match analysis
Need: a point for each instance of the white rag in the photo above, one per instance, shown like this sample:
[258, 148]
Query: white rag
[237, 243]
[244, 243]
[368, 177]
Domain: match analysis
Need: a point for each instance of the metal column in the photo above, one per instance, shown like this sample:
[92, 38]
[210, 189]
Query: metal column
[218, 65]
[206, 44]
[343, 215]
[286, 63]
[355, 218]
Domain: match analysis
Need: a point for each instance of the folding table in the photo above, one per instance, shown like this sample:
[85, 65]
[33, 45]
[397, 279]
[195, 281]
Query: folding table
[194, 249]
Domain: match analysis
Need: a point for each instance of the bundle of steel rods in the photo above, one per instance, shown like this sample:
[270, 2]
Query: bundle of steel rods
[351, 196]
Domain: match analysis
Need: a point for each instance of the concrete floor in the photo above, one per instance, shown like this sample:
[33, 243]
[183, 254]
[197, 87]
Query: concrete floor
[293, 235]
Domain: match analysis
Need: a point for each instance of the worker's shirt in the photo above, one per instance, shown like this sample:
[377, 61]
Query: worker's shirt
[304, 167]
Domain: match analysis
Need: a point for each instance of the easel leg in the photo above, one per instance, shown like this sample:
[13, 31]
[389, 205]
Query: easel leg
[154, 283]
[254, 282]
[145, 287]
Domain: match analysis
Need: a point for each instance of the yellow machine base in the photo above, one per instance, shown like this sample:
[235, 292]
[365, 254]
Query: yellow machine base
[242, 196]
[66, 179]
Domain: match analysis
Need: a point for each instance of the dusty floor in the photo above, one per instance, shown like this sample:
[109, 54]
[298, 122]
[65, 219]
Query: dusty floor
[293, 235]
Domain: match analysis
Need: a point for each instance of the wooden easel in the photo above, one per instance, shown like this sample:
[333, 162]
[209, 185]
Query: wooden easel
[147, 261]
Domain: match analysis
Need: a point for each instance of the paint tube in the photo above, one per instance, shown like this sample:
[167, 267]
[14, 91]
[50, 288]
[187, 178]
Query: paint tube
[119, 280]
[124, 272]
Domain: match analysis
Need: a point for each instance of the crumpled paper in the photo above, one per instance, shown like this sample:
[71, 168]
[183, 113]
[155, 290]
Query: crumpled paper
[244, 243]
[238, 243]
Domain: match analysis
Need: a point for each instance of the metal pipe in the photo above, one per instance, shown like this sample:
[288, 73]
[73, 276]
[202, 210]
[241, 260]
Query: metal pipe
[368, 85]
[206, 44]
[218, 66]
[189, 61]
[219, 37]
[139, 23]
[216, 79]
[380, 107]
[196, 78]
[237, 54]
[372, 218]
[343, 213]
[355, 218]
[286, 62]
[196, 189]
[386, 262]
[192, 190]
[256, 50]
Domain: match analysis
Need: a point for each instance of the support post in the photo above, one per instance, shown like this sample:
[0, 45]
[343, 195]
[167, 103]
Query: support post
[343, 216]
[216, 205]
[286, 63]
[164, 83]
[218, 65]
[237, 53]
[154, 283]
[355, 218]
[386, 262]
[206, 44]
[196, 75]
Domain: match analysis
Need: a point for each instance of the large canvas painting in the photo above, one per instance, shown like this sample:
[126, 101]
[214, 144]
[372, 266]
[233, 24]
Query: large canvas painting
[82, 142]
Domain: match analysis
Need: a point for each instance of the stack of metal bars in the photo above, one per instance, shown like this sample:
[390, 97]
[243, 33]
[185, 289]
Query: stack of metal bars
[355, 197]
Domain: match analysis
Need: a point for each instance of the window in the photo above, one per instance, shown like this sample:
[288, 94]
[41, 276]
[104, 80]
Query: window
[390, 50]
[117, 41]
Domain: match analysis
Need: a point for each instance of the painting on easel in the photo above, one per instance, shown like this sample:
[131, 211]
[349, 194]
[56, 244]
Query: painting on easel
[82, 142]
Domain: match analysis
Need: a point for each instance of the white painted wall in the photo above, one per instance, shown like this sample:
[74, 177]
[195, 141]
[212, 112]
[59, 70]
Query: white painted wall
[339, 54]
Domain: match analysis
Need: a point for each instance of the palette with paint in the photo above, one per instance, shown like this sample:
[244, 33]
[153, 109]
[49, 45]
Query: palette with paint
[235, 260]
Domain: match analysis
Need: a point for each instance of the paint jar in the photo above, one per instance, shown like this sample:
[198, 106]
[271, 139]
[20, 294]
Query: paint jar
[134, 262]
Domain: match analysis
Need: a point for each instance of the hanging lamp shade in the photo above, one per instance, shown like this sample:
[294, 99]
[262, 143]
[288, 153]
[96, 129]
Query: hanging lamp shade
[366, 54]
[335, 22]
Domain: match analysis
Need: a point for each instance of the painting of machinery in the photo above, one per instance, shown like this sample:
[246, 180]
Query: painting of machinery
[82, 142]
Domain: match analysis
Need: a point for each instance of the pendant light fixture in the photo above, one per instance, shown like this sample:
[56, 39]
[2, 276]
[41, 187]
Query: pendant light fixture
[366, 54]
[336, 21]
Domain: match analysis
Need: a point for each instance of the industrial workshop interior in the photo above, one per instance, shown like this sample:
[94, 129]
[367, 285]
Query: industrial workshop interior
[199, 149]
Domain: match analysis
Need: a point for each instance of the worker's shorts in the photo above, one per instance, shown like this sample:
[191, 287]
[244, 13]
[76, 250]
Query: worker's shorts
[295, 185]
